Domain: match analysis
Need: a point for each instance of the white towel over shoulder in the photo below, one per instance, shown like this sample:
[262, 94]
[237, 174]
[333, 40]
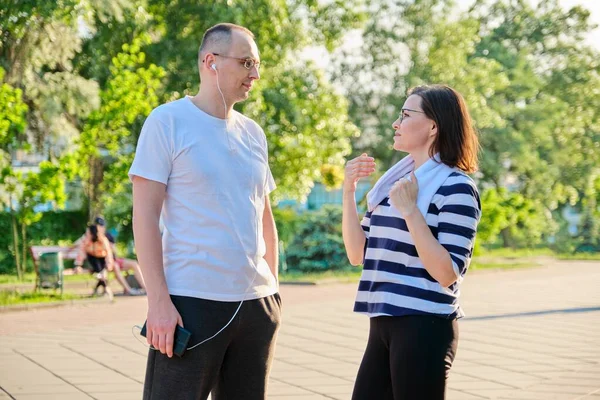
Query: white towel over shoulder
[430, 176]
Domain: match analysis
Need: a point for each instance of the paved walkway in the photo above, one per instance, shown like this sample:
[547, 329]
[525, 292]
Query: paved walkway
[529, 334]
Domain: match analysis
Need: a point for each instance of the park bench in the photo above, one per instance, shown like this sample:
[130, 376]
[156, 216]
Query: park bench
[49, 268]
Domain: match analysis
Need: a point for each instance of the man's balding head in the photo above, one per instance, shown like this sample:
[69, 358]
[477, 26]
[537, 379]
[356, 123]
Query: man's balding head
[228, 61]
[218, 39]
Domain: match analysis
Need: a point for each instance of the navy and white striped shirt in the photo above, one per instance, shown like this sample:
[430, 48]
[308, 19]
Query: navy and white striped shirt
[394, 281]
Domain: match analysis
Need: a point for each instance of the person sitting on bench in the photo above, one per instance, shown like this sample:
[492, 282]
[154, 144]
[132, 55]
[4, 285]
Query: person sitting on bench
[120, 264]
[123, 264]
[96, 248]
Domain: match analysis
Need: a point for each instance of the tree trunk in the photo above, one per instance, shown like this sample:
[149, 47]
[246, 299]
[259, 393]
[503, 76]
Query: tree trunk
[96, 177]
[16, 246]
[506, 239]
[24, 249]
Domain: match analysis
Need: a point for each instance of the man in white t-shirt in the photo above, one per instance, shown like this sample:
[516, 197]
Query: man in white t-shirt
[202, 168]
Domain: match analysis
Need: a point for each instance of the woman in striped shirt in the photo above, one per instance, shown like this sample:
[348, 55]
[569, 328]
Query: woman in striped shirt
[415, 244]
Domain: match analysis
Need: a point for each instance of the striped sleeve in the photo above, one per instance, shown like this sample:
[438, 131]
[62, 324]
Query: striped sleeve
[459, 214]
[366, 223]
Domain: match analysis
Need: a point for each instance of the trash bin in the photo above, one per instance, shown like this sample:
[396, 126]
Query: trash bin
[50, 271]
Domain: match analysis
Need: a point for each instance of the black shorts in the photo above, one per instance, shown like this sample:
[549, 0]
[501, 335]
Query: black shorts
[98, 264]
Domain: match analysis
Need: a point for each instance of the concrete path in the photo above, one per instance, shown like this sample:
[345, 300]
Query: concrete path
[529, 334]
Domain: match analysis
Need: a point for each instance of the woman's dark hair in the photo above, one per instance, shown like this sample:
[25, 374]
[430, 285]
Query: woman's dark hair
[94, 232]
[456, 139]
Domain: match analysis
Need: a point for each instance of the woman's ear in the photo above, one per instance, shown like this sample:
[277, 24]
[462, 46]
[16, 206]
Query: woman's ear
[433, 130]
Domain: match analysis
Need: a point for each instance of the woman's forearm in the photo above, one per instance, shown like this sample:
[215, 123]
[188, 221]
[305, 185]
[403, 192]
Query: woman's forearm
[352, 232]
[433, 255]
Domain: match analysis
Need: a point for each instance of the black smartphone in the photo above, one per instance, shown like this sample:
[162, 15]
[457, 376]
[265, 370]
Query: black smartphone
[180, 340]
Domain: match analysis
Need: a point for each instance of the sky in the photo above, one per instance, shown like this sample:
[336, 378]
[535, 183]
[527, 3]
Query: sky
[594, 7]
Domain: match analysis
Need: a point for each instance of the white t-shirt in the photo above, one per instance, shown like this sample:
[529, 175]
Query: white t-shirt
[217, 178]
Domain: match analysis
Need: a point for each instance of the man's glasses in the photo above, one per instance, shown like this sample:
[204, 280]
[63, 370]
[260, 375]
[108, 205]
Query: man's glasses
[401, 117]
[248, 63]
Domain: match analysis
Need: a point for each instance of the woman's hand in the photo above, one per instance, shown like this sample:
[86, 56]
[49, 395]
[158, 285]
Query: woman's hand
[403, 195]
[359, 167]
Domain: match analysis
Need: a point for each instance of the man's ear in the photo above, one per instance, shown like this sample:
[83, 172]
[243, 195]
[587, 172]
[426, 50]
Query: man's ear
[209, 60]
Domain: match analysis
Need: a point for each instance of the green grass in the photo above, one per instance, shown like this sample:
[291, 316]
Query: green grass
[529, 253]
[579, 256]
[515, 253]
[322, 277]
[475, 266]
[352, 276]
[30, 278]
[12, 278]
[13, 297]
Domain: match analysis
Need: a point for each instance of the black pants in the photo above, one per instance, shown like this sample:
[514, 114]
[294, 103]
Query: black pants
[407, 358]
[233, 365]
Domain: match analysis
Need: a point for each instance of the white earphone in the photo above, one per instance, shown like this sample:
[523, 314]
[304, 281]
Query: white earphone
[213, 66]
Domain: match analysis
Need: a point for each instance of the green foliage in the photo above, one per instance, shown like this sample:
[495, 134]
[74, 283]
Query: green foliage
[282, 28]
[12, 113]
[305, 127]
[563, 241]
[529, 79]
[39, 42]
[519, 221]
[588, 239]
[131, 92]
[77, 79]
[305, 120]
[318, 245]
[287, 221]
[25, 192]
[53, 228]
[329, 276]
[549, 104]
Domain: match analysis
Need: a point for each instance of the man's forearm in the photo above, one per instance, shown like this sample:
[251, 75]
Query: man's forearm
[148, 246]
[272, 244]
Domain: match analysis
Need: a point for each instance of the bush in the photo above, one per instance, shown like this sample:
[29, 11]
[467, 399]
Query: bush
[287, 221]
[119, 220]
[513, 220]
[318, 245]
[55, 228]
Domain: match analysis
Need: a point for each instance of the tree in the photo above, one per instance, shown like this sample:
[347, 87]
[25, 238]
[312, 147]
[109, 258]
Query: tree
[12, 116]
[530, 82]
[513, 219]
[376, 74]
[305, 120]
[26, 192]
[39, 41]
[589, 235]
[12, 123]
[549, 105]
[43, 101]
[130, 94]
[305, 128]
